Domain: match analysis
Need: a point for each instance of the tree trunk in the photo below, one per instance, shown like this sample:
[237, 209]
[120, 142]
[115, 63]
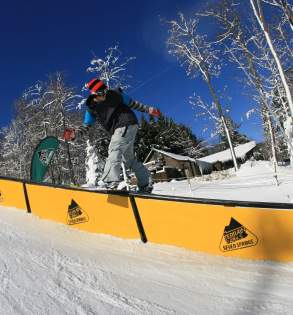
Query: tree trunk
[273, 142]
[265, 109]
[260, 18]
[216, 100]
[70, 166]
[288, 12]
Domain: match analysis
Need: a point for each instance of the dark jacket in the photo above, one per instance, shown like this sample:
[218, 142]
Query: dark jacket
[115, 112]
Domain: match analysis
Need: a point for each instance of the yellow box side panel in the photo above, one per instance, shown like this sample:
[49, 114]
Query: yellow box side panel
[254, 233]
[89, 211]
[12, 194]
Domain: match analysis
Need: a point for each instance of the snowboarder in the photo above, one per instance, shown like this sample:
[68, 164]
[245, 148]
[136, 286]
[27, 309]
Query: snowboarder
[113, 110]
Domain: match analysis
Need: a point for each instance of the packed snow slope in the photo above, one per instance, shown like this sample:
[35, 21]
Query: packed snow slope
[254, 181]
[49, 268]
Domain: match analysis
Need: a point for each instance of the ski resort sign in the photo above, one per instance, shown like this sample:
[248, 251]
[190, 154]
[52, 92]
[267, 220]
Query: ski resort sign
[45, 156]
[236, 236]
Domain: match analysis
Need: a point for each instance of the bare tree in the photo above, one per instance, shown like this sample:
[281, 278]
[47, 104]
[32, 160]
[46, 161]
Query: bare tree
[285, 7]
[13, 161]
[64, 100]
[207, 113]
[45, 109]
[55, 103]
[238, 46]
[111, 68]
[200, 57]
[258, 12]
[288, 124]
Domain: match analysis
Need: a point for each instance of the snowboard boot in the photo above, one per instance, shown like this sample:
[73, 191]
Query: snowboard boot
[147, 189]
[101, 185]
[112, 185]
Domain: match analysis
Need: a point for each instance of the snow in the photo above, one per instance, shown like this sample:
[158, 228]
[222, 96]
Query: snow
[224, 156]
[91, 165]
[254, 181]
[50, 268]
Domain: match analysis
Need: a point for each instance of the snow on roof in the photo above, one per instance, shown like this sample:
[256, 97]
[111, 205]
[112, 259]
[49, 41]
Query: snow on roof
[175, 156]
[224, 156]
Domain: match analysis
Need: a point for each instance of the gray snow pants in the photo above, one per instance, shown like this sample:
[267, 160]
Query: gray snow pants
[121, 149]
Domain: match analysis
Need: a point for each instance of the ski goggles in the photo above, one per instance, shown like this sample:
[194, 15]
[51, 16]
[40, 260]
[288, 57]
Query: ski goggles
[100, 93]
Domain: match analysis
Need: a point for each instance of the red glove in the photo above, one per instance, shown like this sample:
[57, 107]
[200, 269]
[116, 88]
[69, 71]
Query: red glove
[69, 134]
[154, 112]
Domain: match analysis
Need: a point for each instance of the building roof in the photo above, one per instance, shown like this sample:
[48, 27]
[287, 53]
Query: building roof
[171, 155]
[224, 156]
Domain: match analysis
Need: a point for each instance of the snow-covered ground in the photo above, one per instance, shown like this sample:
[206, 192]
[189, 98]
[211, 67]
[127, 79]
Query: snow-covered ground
[254, 181]
[50, 268]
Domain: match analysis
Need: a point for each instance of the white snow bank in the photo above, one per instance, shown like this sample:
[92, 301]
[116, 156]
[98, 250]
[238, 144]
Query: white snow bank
[254, 181]
[49, 268]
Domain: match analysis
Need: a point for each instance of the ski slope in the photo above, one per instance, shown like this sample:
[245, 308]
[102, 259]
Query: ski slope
[50, 268]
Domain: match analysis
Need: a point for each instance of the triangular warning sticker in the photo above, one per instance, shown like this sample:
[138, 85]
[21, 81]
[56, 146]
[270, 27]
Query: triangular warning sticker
[236, 236]
[75, 214]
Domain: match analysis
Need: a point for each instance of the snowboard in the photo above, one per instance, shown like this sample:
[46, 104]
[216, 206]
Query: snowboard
[123, 186]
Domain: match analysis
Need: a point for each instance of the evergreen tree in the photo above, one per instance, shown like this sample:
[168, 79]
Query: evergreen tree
[236, 137]
[166, 135]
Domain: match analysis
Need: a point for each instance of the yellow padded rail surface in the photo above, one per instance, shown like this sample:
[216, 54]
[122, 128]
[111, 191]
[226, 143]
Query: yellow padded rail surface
[12, 194]
[88, 211]
[244, 232]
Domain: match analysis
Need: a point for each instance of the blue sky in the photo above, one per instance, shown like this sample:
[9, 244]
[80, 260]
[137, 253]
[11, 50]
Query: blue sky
[41, 37]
